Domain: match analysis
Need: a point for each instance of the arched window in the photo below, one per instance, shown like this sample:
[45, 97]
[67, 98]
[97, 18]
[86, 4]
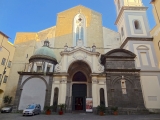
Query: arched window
[79, 29]
[136, 24]
[102, 100]
[122, 31]
[55, 101]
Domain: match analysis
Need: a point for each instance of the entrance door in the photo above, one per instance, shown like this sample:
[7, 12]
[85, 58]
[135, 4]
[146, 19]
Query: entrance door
[79, 93]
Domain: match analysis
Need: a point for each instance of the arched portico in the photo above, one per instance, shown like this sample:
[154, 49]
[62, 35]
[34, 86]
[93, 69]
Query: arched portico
[79, 85]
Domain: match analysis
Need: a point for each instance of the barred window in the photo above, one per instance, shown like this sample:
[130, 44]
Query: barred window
[3, 61]
[39, 68]
[9, 64]
[48, 69]
[5, 79]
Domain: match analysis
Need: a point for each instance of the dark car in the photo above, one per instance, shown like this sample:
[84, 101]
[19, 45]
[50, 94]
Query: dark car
[6, 110]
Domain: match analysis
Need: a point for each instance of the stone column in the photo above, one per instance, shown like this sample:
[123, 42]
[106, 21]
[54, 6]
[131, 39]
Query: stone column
[94, 91]
[63, 88]
[18, 93]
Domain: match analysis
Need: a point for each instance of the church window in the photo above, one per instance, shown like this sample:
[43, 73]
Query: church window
[122, 31]
[39, 68]
[102, 100]
[5, 79]
[136, 24]
[79, 29]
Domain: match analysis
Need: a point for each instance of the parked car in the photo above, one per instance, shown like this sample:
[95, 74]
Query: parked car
[6, 110]
[32, 109]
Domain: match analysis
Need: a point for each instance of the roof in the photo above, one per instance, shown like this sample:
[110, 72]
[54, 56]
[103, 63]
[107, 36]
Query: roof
[4, 34]
[45, 51]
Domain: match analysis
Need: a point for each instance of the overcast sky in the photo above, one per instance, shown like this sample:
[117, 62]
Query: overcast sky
[36, 15]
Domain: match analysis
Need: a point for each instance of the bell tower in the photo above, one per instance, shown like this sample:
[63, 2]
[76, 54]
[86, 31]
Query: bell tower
[131, 19]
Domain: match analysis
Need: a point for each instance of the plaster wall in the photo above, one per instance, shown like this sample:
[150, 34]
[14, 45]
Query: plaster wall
[34, 91]
[151, 94]
[111, 39]
[6, 51]
[148, 48]
[155, 32]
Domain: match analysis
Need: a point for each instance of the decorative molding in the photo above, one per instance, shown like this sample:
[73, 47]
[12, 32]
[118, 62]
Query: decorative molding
[95, 81]
[58, 68]
[100, 68]
[79, 55]
[129, 8]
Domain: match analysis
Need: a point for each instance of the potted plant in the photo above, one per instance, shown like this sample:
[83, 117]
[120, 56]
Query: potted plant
[101, 109]
[7, 100]
[61, 106]
[115, 110]
[47, 110]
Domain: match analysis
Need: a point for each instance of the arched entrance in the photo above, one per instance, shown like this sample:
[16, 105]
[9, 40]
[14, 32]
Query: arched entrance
[79, 83]
[79, 91]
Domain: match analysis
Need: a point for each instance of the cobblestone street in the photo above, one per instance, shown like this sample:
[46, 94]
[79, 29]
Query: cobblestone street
[81, 116]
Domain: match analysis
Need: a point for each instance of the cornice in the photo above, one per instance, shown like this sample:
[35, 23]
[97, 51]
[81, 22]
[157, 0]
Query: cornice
[135, 39]
[129, 8]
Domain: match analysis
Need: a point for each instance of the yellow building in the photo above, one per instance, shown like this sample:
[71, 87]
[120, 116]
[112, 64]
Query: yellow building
[6, 55]
[155, 32]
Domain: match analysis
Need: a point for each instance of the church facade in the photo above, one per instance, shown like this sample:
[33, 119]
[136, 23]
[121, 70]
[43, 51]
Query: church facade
[79, 59]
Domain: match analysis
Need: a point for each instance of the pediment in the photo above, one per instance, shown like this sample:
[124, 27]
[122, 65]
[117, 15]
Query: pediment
[120, 53]
[117, 54]
[79, 50]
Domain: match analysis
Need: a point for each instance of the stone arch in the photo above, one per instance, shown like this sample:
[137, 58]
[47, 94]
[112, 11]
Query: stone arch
[119, 78]
[83, 60]
[83, 70]
[142, 47]
[77, 74]
[23, 89]
[35, 77]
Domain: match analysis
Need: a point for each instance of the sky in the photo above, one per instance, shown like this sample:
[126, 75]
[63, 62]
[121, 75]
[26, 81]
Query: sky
[36, 15]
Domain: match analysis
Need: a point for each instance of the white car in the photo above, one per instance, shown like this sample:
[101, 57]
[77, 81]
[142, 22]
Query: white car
[6, 110]
[32, 109]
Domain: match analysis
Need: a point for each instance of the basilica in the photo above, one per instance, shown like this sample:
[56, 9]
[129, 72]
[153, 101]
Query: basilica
[79, 59]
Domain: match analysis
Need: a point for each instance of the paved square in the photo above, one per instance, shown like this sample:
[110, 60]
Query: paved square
[81, 116]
